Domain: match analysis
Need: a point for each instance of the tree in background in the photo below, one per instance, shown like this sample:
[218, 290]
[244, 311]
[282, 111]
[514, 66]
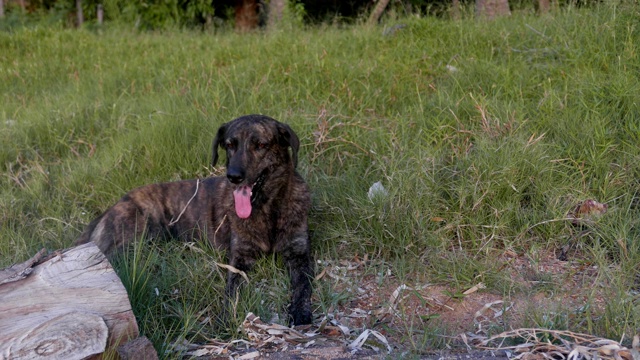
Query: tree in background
[250, 14]
[246, 12]
[492, 8]
[79, 12]
[377, 11]
[544, 6]
[275, 12]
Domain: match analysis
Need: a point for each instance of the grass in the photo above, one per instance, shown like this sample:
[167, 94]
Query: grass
[485, 134]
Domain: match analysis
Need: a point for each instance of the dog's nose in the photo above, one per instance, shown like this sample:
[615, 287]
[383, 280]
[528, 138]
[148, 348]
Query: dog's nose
[236, 176]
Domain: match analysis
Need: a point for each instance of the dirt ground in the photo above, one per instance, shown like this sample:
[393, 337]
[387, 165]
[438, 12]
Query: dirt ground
[377, 318]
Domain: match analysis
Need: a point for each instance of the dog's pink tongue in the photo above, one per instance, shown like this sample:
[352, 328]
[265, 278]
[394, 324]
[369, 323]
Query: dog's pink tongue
[242, 198]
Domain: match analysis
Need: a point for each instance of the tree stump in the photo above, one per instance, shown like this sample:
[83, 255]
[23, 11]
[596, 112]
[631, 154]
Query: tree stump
[71, 305]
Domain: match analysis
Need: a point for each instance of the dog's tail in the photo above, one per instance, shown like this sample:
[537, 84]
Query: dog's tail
[85, 237]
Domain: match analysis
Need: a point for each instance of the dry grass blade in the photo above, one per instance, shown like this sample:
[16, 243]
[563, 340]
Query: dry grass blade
[556, 344]
[193, 247]
[174, 221]
[394, 300]
[234, 270]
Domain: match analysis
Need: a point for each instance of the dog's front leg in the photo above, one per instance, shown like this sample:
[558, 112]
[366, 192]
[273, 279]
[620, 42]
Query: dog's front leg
[242, 261]
[297, 259]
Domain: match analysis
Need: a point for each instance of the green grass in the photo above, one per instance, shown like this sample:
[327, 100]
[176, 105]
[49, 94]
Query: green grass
[540, 113]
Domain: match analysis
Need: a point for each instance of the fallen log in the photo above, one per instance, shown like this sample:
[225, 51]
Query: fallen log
[71, 305]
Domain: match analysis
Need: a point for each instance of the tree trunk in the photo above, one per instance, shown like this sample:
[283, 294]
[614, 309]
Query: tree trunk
[71, 305]
[377, 11]
[246, 15]
[276, 9]
[1, 8]
[544, 6]
[79, 12]
[491, 9]
[455, 9]
[100, 14]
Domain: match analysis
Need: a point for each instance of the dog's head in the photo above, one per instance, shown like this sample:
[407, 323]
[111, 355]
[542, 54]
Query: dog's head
[257, 147]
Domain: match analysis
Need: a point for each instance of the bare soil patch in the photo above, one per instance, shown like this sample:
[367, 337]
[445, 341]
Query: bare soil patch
[396, 315]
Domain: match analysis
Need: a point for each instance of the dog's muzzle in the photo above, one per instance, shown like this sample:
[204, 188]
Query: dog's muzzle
[235, 175]
[245, 195]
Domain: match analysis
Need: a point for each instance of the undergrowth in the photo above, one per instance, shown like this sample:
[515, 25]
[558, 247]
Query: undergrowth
[484, 134]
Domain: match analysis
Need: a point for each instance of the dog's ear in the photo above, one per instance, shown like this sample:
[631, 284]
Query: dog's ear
[289, 138]
[217, 142]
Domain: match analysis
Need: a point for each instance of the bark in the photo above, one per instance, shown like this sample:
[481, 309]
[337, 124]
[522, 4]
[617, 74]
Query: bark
[455, 9]
[1, 8]
[100, 14]
[377, 11]
[71, 305]
[79, 12]
[491, 9]
[544, 6]
[276, 10]
[246, 15]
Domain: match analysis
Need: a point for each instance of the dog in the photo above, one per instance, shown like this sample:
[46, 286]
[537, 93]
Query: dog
[259, 207]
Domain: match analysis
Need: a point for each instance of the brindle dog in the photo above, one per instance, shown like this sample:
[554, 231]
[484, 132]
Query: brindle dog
[260, 207]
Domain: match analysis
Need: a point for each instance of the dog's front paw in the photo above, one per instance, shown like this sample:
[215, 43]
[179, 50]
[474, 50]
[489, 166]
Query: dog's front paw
[300, 317]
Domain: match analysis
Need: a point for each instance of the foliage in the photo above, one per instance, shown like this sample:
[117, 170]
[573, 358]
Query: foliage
[144, 14]
[157, 14]
[169, 14]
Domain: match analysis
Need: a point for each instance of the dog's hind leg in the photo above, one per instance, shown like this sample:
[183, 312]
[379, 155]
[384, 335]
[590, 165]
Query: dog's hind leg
[117, 227]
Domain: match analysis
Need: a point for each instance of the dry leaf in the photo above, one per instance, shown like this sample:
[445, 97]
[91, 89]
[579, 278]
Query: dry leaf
[356, 344]
[251, 355]
[587, 211]
[474, 289]
[321, 275]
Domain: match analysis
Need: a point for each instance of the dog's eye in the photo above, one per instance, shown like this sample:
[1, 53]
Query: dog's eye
[230, 146]
[262, 145]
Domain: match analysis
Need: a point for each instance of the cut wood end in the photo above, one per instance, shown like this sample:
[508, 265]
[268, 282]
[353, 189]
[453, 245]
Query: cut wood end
[77, 333]
[70, 305]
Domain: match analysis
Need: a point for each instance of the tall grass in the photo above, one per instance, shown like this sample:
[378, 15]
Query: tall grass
[485, 135]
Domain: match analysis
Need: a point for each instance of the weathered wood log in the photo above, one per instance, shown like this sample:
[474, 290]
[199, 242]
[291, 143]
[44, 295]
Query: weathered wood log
[71, 305]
